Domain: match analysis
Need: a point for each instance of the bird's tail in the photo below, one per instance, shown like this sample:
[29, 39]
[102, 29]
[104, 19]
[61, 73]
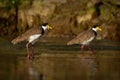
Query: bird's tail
[70, 43]
[17, 40]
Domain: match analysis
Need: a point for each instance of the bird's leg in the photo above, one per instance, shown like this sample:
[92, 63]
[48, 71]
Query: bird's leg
[90, 49]
[32, 51]
[82, 47]
[27, 46]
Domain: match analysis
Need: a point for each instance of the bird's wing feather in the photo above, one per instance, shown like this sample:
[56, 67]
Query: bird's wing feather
[81, 37]
[25, 36]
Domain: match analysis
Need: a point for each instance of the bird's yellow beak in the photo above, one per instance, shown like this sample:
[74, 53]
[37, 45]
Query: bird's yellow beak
[49, 27]
[98, 28]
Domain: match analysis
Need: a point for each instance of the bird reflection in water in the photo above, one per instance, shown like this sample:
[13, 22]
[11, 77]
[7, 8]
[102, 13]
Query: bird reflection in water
[33, 74]
[90, 63]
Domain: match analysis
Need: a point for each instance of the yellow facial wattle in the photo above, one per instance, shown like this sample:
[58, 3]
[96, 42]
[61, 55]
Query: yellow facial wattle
[49, 27]
[98, 28]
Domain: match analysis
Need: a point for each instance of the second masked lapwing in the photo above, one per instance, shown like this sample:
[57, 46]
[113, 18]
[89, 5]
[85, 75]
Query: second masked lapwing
[86, 37]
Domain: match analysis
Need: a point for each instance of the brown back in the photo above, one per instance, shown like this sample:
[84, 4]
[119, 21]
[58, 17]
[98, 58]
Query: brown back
[27, 34]
[81, 37]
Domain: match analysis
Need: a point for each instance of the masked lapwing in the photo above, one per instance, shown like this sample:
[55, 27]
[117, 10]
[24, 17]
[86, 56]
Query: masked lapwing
[86, 37]
[32, 35]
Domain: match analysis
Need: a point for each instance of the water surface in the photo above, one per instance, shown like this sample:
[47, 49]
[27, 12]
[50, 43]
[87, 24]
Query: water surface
[54, 60]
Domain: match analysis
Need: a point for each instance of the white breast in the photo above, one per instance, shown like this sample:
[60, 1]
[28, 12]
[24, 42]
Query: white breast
[88, 41]
[33, 38]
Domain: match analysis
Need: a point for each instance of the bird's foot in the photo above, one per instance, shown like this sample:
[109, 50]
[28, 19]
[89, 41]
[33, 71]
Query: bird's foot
[33, 57]
[93, 53]
[82, 56]
[28, 57]
[90, 49]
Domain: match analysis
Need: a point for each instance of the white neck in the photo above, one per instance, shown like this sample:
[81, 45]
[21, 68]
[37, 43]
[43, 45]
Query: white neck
[94, 29]
[44, 27]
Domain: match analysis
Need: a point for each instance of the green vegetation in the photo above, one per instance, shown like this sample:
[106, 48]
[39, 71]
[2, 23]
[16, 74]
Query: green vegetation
[10, 4]
[18, 15]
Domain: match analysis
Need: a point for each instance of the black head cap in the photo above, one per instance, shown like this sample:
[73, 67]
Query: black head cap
[44, 24]
[94, 26]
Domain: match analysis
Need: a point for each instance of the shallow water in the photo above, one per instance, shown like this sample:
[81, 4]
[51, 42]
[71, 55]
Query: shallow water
[56, 61]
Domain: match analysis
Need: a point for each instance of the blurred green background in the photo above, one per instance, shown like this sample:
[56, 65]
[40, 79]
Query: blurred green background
[68, 17]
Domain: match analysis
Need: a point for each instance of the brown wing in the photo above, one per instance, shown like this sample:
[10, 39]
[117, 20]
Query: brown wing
[81, 37]
[25, 36]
